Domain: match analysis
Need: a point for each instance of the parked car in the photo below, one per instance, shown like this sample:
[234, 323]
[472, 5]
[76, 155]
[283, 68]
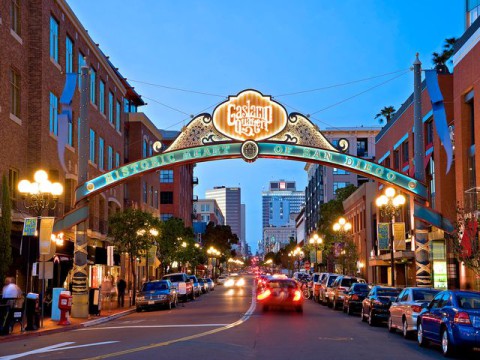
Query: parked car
[203, 285]
[316, 284]
[183, 284]
[404, 310]
[210, 283]
[197, 289]
[451, 319]
[157, 293]
[340, 287]
[221, 279]
[284, 293]
[326, 287]
[375, 306]
[354, 297]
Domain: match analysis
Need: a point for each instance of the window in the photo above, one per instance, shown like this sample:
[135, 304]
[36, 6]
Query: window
[92, 146]
[101, 153]
[405, 152]
[93, 76]
[156, 199]
[144, 148]
[166, 197]
[81, 62]
[53, 114]
[110, 107]
[126, 105]
[429, 132]
[117, 160]
[387, 162]
[166, 176]
[396, 160]
[68, 55]
[205, 207]
[110, 158]
[16, 17]
[118, 121]
[151, 196]
[145, 194]
[13, 183]
[53, 39]
[340, 172]
[362, 147]
[473, 10]
[150, 148]
[70, 133]
[339, 185]
[165, 217]
[101, 100]
[15, 92]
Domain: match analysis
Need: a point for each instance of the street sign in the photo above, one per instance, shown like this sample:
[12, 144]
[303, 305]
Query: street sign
[30, 227]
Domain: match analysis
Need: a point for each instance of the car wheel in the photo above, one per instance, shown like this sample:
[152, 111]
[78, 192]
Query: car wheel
[405, 331]
[329, 304]
[193, 296]
[420, 338]
[265, 308]
[175, 303]
[390, 324]
[139, 309]
[344, 309]
[362, 315]
[299, 309]
[349, 310]
[447, 348]
[371, 319]
[316, 299]
[169, 306]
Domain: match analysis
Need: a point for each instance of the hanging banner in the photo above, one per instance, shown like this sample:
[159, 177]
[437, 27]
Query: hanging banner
[45, 238]
[382, 236]
[30, 227]
[319, 257]
[399, 236]
[152, 252]
[110, 261]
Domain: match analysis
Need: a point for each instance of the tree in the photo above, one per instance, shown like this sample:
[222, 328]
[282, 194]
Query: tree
[5, 231]
[170, 249]
[329, 214]
[127, 230]
[221, 238]
[385, 114]
[440, 59]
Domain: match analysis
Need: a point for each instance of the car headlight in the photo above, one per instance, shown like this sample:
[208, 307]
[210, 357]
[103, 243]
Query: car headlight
[229, 282]
[140, 297]
[241, 282]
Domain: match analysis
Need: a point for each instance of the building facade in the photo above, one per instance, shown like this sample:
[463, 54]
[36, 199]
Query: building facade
[229, 201]
[207, 210]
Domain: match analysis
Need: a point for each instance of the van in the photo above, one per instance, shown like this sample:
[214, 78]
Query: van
[183, 284]
[326, 287]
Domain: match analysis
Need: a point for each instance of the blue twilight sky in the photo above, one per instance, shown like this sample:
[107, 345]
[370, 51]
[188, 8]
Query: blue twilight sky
[277, 47]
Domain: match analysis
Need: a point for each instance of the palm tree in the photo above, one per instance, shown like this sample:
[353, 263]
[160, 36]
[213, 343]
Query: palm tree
[440, 59]
[385, 114]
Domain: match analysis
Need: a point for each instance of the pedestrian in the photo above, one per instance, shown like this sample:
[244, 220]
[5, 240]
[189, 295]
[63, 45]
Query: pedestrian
[11, 292]
[121, 286]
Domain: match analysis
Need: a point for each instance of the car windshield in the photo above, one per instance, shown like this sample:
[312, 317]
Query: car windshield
[331, 279]
[387, 292]
[175, 278]
[315, 277]
[348, 282]
[424, 295]
[193, 278]
[155, 286]
[361, 287]
[468, 300]
[282, 284]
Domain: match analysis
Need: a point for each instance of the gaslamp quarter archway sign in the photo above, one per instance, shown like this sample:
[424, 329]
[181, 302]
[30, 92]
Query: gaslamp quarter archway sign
[251, 125]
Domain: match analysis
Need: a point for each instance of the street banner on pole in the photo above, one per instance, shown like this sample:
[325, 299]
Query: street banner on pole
[152, 252]
[29, 226]
[382, 235]
[399, 236]
[46, 227]
[110, 256]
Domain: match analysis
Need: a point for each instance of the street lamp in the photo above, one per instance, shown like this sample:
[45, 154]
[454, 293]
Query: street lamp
[270, 262]
[213, 253]
[39, 196]
[154, 233]
[316, 240]
[297, 253]
[389, 203]
[342, 227]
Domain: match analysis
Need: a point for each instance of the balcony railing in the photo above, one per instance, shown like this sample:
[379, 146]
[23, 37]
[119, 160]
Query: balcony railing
[195, 180]
[195, 198]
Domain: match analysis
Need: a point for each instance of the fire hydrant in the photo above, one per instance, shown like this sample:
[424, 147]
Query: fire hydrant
[65, 306]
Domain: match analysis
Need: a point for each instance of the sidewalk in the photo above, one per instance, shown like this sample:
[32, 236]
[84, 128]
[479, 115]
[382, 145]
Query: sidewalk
[51, 326]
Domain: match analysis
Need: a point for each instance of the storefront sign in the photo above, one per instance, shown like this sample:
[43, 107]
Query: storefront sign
[440, 275]
[382, 236]
[30, 227]
[249, 116]
[399, 236]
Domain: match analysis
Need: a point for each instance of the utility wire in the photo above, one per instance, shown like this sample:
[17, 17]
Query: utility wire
[167, 106]
[341, 84]
[177, 89]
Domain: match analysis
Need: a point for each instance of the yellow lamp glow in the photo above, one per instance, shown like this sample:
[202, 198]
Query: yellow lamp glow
[40, 176]
[24, 186]
[390, 192]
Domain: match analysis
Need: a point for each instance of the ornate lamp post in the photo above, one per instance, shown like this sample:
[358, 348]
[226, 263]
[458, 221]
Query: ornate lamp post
[342, 227]
[316, 240]
[214, 254]
[269, 262]
[38, 196]
[298, 254]
[389, 204]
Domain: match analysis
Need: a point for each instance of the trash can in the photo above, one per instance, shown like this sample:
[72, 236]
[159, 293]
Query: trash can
[32, 312]
[4, 319]
[94, 306]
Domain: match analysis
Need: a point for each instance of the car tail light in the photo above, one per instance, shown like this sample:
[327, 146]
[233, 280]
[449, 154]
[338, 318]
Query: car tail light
[342, 289]
[264, 295]
[354, 297]
[416, 308]
[462, 318]
[297, 296]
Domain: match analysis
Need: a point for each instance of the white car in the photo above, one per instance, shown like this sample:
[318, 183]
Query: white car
[221, 279]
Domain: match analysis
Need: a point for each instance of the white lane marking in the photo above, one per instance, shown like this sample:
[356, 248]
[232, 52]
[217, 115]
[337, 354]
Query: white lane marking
[150, 326]
[58, 347]
[38, 351]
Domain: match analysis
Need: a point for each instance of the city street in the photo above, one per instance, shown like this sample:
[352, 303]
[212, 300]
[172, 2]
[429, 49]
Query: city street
[224, 325]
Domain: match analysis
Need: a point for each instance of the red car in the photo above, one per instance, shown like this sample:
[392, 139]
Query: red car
[283, 293]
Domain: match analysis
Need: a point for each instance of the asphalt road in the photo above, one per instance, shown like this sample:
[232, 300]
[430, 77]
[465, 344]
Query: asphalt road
[224, 324]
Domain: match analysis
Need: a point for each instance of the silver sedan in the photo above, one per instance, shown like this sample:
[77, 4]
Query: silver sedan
[404, 310]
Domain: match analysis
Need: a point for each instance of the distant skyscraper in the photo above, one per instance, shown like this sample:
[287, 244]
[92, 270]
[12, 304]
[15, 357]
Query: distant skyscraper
[228, 199]
[278, 203]
[243, 237]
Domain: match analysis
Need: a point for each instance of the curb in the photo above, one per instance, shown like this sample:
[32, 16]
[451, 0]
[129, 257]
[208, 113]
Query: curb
[89, 323]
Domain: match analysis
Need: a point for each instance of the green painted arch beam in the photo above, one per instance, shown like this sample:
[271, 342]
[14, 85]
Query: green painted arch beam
[266, 150]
